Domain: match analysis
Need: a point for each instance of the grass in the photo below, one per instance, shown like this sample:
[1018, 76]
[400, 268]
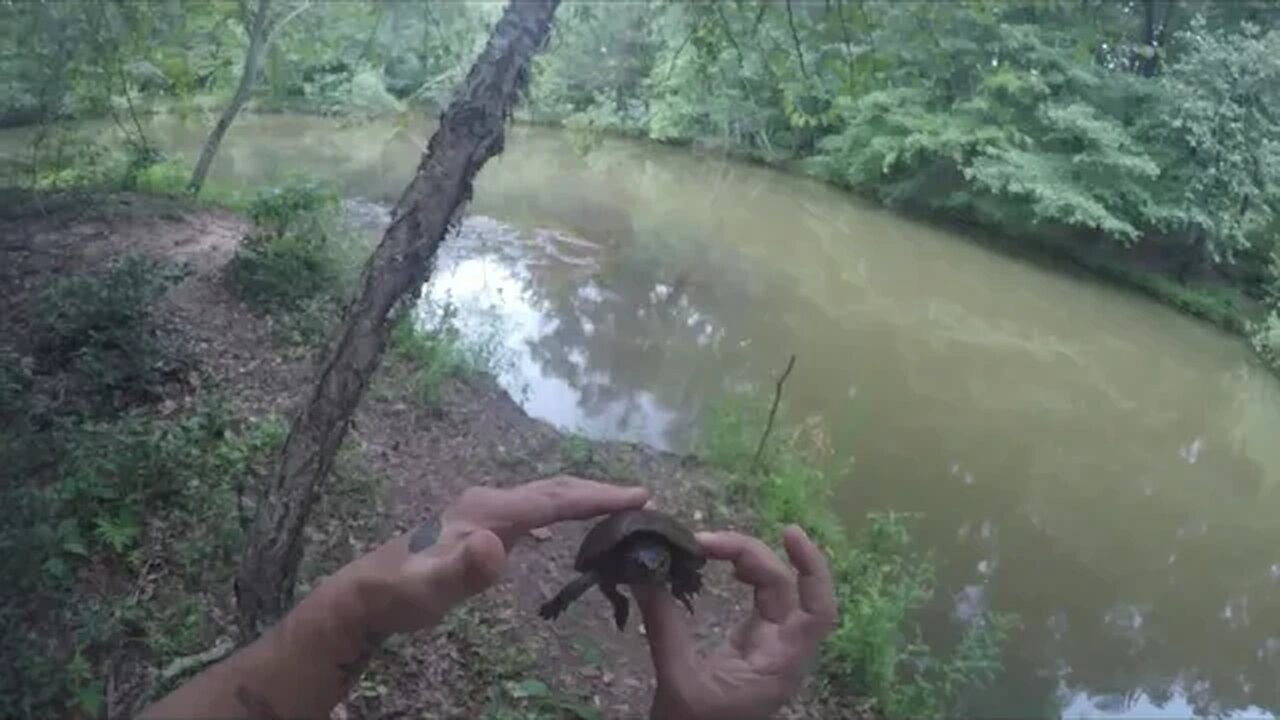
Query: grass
[880, 579]
[437, 350]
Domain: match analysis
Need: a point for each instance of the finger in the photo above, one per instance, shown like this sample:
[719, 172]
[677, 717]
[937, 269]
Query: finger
[755, 564]
[565, 497]
[668, 632]
[817, 592]
[445, 579]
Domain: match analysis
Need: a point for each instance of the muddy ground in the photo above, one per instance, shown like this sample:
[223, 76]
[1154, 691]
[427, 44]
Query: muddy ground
[493, 658]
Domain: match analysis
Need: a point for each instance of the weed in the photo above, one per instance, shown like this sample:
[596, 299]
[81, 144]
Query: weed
[575, 451]
[880, 580]
[436, 354]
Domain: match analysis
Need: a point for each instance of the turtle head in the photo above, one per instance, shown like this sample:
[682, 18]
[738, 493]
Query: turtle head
[650, 562]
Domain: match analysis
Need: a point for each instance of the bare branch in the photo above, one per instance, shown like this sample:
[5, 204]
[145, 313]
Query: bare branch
[773, 412]
[795, 38]
[276, 27]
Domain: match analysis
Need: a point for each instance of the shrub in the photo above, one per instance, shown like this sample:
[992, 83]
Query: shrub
[300, 261]
[880, 579]
[296, 205]
[101, 330]
[281, 272]
[1266, 339]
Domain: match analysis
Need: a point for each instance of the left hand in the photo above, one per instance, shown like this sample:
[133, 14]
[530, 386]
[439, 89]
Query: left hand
[411, 582]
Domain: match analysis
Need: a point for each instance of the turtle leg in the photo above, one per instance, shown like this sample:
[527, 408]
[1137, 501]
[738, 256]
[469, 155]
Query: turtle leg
[621, 607]
[552, 608]
[685, 583]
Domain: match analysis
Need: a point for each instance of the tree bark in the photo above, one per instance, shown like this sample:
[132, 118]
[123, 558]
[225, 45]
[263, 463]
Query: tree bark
[253, 57]
[471, 131]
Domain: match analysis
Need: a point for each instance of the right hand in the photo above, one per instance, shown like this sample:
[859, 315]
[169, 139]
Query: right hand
[766, 657]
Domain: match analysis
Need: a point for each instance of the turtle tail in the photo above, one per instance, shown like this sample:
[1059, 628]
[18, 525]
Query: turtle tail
[552, 608]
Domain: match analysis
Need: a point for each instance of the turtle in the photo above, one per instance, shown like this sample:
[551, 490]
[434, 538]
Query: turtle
[633, 547]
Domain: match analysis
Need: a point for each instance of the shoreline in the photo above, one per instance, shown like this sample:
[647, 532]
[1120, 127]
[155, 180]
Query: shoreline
[405, 456]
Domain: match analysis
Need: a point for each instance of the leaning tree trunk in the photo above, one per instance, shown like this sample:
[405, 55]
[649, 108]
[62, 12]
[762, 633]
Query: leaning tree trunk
[259, 31]
[470, 132]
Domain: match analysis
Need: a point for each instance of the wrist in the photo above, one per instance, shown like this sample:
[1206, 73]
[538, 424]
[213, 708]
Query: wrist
[365, 593]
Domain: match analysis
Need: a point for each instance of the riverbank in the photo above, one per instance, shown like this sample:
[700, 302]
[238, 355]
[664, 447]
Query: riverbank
[148, 570]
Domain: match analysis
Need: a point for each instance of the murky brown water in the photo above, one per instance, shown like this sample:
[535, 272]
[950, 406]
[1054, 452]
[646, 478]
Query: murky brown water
[1091, 461]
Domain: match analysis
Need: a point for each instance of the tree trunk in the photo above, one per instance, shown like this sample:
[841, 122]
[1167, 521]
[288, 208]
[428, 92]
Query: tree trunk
[258, 32]
[470, 132]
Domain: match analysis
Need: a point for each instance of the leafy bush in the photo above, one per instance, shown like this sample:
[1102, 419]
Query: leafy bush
[296, 205]
[101, 329]
[301, 259]
[164, 178]
[281, 272]
[880, 580]
[1266, 339]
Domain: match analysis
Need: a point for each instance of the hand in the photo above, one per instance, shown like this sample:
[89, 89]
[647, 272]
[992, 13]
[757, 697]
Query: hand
[765, 658]
[411, 582]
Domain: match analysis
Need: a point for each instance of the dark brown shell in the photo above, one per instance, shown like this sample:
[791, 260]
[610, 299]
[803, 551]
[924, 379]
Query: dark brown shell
[611, 531]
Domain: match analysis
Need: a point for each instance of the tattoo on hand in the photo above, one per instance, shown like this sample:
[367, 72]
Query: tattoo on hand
[425, 536]
[256, 704]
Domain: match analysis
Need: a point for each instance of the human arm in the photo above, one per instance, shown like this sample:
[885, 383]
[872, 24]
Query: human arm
[307, 662]
[766, 657]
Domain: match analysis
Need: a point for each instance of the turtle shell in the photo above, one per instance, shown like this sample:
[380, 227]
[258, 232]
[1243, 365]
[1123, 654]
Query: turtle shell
[610, 532]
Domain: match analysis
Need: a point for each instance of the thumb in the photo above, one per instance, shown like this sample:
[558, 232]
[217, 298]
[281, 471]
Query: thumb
[444, 580]
[670, 639]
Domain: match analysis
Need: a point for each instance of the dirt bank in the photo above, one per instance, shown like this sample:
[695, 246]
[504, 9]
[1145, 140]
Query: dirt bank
[493, 659]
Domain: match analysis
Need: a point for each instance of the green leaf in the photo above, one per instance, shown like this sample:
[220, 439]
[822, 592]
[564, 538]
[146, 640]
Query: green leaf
[528, 689]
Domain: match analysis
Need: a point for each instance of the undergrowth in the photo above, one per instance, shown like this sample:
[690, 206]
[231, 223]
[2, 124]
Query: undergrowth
[301, 261]
[881, 580]
[81, 542]
[98, 330]
[120, 509]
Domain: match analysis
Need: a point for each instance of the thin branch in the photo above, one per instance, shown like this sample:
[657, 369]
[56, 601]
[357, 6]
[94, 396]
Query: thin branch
[728, 33]
[773, 412]
[844, 30]
[671, 64]
[276, 27]
[755, 24]
[795, 38]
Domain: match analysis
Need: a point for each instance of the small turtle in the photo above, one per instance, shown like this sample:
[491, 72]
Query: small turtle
[633, 547]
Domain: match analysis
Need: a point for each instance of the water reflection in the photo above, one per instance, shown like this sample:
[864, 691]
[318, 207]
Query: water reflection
[1145, 595]
[1100, 466]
